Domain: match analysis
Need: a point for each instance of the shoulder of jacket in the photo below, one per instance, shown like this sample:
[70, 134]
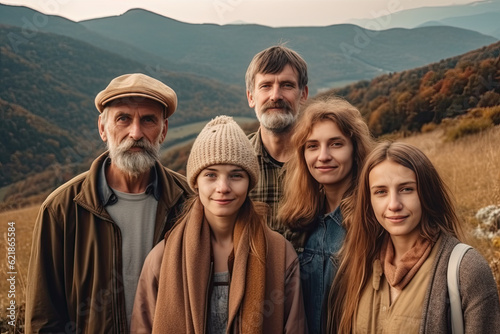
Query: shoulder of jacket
[66, 191]
[278, 241]
[173, 173]
[474, 261]
[155, 257]
[178, 177]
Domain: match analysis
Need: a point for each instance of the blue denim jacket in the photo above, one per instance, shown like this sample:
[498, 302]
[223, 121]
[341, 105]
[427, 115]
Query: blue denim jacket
[318, 265]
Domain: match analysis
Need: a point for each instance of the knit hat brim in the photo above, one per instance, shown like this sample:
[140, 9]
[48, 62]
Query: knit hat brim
[222, 141]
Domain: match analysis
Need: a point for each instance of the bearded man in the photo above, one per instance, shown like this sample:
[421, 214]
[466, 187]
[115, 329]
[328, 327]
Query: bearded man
[276, 83]
[93, 233]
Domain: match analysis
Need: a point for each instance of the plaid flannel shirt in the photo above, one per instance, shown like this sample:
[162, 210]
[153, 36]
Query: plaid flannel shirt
[269, 189]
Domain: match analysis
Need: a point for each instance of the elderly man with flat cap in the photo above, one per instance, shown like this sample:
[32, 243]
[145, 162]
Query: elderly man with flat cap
[93, 233]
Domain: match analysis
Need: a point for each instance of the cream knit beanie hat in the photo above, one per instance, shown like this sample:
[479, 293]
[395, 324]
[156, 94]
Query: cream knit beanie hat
[222, 141]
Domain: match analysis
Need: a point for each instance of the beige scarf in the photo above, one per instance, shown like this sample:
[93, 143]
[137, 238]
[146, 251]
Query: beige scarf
[185, 273]
[399, 276]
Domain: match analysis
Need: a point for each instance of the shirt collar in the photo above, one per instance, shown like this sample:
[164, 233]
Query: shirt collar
[108, 197]
[256, 141]
[260, 150]
[335, 215]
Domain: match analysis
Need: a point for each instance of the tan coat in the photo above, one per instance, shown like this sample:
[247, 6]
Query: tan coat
[426, 306]
[375, 312]
[294, 315]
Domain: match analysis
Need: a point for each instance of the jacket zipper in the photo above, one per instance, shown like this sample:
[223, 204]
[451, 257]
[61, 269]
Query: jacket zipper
[118, 327]
[114, 272]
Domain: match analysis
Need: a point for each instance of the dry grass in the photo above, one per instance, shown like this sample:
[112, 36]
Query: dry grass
[471, 168]
[24, 220]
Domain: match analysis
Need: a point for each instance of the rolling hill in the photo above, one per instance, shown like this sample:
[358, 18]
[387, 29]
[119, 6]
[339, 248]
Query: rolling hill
[33, 22]
[336, 54]
[408, 100]
[52, 68]
[47, 93]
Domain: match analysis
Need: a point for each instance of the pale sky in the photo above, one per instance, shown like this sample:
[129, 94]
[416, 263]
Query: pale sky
[274, 13]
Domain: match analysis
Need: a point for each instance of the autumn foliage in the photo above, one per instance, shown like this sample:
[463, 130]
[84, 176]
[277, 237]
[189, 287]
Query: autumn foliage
[406, 101]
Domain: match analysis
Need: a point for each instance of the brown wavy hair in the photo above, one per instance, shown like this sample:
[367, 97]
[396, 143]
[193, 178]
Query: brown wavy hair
[365, 235]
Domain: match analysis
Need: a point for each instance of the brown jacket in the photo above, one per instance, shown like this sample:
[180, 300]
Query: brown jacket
[74, 276]
[294, 314]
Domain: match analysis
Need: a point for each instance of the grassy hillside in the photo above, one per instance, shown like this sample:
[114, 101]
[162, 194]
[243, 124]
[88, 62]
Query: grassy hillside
[24, 221]
[469, 166]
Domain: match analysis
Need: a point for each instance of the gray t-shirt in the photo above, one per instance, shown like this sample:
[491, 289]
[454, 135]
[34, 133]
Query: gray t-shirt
[135, 216]
[217, 322]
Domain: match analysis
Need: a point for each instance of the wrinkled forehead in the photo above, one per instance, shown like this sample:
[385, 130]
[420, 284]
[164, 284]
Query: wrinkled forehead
[275, 69]
[136, 103]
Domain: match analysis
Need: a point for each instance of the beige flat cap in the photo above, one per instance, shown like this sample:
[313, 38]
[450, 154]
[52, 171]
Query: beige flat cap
[137, 86]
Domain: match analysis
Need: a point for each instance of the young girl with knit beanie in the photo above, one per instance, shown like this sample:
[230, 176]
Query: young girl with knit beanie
[393, 273]
[220, 268]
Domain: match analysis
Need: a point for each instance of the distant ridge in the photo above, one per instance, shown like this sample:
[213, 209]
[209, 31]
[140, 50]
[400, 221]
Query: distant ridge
[415, 17]
[485, 23]
[336, 54]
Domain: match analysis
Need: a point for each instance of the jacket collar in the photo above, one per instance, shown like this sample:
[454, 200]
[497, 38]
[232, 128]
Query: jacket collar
[167, 188]
[107, 195]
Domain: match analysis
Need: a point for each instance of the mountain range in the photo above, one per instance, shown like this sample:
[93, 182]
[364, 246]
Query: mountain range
[47, 91]
[336, 54]
[480, 16]
[51, 69]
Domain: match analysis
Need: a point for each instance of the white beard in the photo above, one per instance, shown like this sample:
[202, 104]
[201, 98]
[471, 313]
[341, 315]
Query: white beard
[277, 122]
[134, 163]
